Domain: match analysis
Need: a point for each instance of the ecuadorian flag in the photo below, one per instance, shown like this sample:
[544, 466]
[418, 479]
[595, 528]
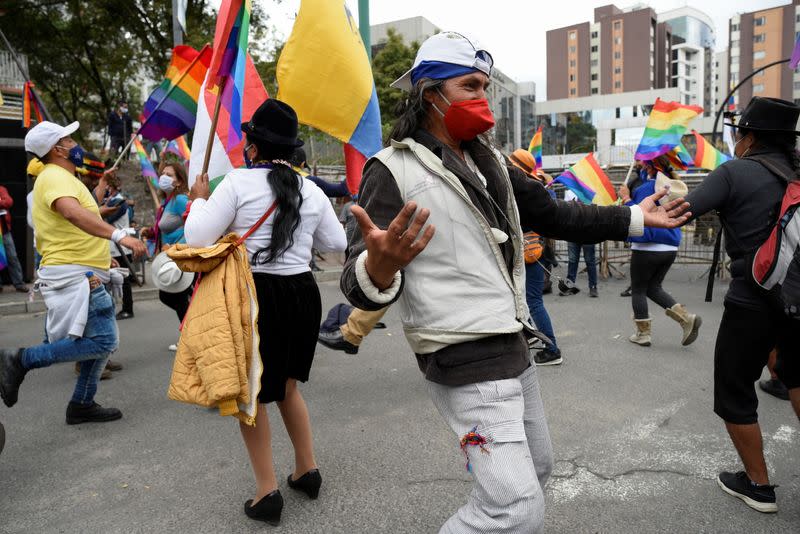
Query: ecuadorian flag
[325, 75]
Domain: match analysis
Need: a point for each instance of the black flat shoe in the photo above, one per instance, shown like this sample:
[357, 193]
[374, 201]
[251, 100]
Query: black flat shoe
[268, 509]
[308, 483]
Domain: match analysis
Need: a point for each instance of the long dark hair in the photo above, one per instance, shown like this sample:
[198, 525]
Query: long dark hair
[412, 112]
[783, 142]
[286, 185]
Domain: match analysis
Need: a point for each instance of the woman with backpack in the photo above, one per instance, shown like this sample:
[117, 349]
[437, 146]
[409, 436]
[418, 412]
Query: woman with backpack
[652, 255]
[748, 192]
[288, 297]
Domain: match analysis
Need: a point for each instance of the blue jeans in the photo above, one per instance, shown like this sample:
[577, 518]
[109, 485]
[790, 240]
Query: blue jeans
[534, 284]
[14, 267]
[588, 257]
[92, 350]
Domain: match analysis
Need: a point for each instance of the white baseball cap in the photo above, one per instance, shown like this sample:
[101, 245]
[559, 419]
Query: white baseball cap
[446, 55]
[44, 136]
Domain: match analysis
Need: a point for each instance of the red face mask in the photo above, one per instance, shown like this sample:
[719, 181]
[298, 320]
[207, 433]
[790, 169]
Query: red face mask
[466, 119]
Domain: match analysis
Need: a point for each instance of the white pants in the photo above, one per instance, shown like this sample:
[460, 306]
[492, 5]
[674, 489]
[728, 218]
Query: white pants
[508, 479]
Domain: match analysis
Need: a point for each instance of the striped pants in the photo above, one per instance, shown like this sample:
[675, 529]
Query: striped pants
[508, 478]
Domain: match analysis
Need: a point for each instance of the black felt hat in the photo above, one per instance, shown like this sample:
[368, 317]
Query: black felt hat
[274, 122]
[769, 115]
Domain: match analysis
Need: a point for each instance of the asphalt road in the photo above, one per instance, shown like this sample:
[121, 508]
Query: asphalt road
[637, 446]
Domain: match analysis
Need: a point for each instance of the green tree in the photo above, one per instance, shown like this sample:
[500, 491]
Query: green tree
[581, 136]
[83, 55]
[392, 60]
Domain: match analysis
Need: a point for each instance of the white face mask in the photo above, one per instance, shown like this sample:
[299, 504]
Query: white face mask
[166, 183]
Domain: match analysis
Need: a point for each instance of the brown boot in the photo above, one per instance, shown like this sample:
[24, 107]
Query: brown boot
[105, 375]
[642, 335]
[111, 365]
[688, 321]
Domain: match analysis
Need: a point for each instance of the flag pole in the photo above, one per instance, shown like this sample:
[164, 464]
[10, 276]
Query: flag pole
[630, 170]
[160, 102]
[213, 131]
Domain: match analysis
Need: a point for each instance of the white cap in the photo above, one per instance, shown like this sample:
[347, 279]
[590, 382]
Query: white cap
[44, 136]
[448, 47]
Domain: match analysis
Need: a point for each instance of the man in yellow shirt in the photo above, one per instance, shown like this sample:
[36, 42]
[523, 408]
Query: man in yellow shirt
[73, 242]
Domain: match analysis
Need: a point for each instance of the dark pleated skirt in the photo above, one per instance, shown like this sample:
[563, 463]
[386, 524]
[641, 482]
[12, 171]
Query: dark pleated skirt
[290, 311]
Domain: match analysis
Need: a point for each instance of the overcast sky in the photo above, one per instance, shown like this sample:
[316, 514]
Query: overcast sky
[513, 31]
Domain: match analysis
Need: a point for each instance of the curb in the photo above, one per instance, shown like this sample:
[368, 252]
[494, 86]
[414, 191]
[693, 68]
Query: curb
[140, 294]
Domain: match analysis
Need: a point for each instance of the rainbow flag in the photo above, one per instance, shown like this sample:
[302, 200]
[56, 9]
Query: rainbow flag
[666, 125]
[223, 159]
[229, 63]
[170, 110]
[148, 171]
[706, 156]
[680, 158]
[30, 105]
[568, 179]
[3, 258]
[795, 54]
[179, 147]
[535, 148]
[325, 75]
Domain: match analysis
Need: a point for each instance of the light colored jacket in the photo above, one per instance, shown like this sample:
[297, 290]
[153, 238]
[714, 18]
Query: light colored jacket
[218, 363]
[459, 288]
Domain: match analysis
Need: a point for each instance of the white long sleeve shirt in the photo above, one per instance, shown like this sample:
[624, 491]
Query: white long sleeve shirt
[242, 198]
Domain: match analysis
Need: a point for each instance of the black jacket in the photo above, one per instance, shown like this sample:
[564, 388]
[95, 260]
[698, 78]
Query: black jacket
[119, 126]
[748, 197]
[496, 357]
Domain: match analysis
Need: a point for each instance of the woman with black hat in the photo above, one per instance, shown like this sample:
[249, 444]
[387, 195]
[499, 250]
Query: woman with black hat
[288, 297]
[747, 193]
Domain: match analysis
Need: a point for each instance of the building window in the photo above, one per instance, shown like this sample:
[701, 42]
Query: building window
[572, 77]
[617, 85]
[734, 27]
[594, 48]
[594, 76]
[758, 88]
[594, 90]
[760, 38]
[617, 70]
[617, 24]
[594, 63]
[618, 113]
[572, 92]
[760, 21]
[617, 55]
[797, 85]
[617, 40]
[594, 35]
[759, 55]
[573, 36]
[571, 62]
[572, 49]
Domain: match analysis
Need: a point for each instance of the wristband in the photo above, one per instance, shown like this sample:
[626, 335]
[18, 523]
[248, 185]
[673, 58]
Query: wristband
[118, 234]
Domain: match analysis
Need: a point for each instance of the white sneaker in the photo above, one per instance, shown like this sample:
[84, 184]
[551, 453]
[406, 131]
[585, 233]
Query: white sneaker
[173, 347]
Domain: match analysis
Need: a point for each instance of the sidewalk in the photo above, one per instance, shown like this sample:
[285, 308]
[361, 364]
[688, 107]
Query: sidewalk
[13, 303]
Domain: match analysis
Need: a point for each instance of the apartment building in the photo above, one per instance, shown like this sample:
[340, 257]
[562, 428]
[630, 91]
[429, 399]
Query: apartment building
[693, 63]
[621, 51]
[756, 39]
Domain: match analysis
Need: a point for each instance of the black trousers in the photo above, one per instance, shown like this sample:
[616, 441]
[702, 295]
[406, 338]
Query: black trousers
[127, 289]
[648, 269]
[177, 301]
[744, 341]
